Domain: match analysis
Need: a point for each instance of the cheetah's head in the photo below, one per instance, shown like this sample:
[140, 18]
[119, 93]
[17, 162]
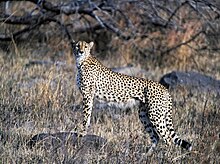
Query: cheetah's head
[83, 49]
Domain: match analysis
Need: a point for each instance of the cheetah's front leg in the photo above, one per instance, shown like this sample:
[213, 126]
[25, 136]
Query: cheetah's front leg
[87, 111]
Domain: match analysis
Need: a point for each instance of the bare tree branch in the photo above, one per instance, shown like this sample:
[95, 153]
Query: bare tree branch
[183, 43]
[50, 11]
[33, 24]
[65, 29]
[109, 15]
[175, 11]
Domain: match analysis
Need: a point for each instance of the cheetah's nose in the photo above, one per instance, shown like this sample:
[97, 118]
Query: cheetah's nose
[81, 52]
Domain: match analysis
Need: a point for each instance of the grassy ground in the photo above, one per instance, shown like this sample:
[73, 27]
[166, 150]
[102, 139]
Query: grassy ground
[36, 98]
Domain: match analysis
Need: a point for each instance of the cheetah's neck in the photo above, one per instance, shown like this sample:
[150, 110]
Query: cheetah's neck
[80, 59]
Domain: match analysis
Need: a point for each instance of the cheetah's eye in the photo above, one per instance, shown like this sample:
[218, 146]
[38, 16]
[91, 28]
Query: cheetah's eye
[85, 46]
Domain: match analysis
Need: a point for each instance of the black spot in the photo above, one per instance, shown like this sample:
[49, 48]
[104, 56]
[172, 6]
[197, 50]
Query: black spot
[146, 126]
[176, 139]
[149, 131]
[186, 145]
[179, 142]
[171, 130]
[86, 106]
[173, 135]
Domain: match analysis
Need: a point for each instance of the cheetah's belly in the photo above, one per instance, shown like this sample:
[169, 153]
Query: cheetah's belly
[129, 103]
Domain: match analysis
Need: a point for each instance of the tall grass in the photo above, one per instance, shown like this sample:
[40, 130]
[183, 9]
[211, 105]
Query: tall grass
[44, 98]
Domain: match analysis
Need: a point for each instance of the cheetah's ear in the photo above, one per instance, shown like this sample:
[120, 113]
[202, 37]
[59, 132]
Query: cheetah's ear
[91, 44]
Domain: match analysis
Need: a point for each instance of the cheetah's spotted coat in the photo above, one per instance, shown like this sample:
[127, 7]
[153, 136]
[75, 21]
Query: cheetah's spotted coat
[96, 81]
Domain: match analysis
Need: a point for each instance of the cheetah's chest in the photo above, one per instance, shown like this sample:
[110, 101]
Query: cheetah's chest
[78, 80]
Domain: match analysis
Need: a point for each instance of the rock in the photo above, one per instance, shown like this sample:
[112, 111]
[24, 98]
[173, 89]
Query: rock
[190, 80]
[60, 139]
[73, 147]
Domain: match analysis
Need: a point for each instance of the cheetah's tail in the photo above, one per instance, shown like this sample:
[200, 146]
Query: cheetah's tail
[184, 144]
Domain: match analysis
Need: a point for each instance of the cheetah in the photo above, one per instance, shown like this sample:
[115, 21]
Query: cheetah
[97, 82]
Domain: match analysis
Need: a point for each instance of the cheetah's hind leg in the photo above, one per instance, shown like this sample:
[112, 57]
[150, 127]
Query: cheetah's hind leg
[148, 126]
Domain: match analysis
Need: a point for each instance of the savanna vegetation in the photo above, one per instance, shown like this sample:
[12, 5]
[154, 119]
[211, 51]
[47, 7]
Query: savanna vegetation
[38, 92]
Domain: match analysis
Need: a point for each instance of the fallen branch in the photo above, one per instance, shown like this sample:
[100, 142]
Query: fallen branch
[15, 35]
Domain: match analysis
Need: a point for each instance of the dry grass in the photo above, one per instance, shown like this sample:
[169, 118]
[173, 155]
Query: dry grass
[44, 98]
